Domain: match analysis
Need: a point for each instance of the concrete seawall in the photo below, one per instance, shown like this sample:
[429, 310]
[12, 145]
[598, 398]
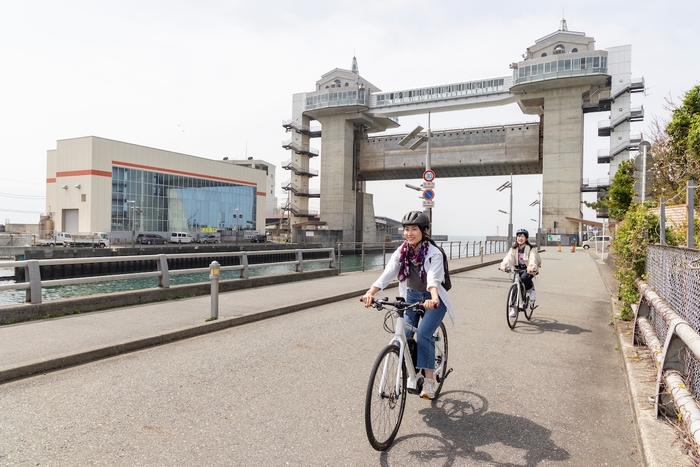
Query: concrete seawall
[17, 313]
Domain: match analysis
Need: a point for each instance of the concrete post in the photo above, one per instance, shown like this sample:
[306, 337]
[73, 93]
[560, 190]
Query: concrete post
[690, 200]
[214, 273]
[33, 275]
[662, 219]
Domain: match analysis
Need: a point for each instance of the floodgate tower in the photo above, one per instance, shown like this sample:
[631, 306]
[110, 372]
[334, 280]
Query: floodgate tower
[560, 78]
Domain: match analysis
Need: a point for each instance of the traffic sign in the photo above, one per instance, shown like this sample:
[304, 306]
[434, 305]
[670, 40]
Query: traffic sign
[638, 188]
[428, 194]
[645, 144]
[428, 204]
[639, 163]
[428, 184]
[428, 175]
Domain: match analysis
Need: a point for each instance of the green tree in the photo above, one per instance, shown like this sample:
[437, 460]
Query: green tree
[676, 147]
[617, 200]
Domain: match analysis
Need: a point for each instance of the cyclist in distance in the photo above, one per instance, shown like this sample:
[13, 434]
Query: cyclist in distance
[524, 257]
[418, 265]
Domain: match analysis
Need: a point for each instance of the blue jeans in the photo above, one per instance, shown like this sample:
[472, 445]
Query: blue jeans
[427, 326]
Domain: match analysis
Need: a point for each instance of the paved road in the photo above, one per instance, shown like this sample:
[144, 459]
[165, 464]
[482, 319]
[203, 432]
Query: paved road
[290, 390]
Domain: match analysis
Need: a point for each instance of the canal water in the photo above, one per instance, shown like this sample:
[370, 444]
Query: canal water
[348, 262]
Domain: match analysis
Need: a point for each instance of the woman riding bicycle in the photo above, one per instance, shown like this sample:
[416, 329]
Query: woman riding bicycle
[523, 257]
[417, 264]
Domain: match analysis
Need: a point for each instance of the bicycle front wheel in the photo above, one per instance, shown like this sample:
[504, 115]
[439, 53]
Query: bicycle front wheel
[441, 349]
[512, 306]
[385, 402]
[529, 308]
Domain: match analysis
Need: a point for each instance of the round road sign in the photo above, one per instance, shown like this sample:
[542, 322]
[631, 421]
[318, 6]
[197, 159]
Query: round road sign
[428, 175]
[428, 194]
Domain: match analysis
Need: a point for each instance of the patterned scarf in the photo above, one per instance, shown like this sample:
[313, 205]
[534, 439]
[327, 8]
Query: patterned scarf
[408, 256]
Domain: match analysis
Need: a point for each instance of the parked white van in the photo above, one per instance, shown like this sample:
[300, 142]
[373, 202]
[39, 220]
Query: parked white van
[181, 237]
[598, 242]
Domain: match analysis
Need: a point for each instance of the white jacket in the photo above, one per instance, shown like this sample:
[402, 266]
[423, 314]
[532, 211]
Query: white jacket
[435, 274]
[530, 257]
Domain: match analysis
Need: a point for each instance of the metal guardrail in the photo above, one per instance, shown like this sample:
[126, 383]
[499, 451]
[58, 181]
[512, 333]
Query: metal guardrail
[452, 250]
[666, 321]
[34, 284]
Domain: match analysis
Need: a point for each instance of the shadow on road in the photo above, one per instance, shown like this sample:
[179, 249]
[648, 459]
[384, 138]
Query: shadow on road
[470, 435]
[542, 325]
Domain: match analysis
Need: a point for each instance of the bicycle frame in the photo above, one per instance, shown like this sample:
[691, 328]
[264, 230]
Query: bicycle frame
[400, 340]
[521, 287]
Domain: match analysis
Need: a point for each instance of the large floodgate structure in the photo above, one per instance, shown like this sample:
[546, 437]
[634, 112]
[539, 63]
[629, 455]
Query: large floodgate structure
[561, 77]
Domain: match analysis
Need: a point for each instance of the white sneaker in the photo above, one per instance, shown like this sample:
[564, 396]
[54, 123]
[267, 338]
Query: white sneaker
[429, 388]
[512, 313]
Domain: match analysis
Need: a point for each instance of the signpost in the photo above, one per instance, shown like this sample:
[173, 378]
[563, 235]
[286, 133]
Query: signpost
[643, 163]
[429, 190]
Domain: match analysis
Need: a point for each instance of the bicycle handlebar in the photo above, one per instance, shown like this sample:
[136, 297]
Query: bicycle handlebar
[399, 304]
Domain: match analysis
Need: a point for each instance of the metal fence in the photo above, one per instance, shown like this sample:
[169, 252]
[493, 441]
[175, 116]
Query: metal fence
[668, 322]
[356, 256]
[244, 262]
[16, 239]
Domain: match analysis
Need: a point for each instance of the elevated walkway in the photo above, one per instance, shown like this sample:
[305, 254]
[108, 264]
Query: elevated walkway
[464, 152]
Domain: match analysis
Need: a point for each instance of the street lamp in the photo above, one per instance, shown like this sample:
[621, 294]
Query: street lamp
[510, 213]
[134, 210]
[538, 203]
[504, 212]
[236, 215]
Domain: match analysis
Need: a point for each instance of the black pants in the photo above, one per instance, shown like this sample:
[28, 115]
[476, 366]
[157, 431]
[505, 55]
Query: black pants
[527, 279]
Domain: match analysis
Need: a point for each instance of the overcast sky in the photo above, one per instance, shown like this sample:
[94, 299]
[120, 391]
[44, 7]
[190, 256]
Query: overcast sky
[215, 79]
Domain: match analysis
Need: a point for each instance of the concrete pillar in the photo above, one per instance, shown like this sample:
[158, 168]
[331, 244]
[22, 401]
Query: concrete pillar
[338, 199]
[562, 157]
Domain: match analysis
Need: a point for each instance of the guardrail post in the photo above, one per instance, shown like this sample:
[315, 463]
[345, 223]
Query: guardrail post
[362, 246]
[481, 253]
[340, 256]
[331, 252]
[33, 273]
[245, 272]
[214, 273]
[300, 261]
[164, 278]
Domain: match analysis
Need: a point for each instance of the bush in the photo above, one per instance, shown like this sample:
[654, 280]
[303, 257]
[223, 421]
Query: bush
[639, 228]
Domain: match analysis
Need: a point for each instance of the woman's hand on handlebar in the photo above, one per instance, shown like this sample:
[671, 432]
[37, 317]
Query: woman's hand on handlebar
[430, 304]
[368, 297]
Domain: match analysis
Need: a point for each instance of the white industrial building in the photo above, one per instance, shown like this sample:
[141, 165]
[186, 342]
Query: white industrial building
[100, 185]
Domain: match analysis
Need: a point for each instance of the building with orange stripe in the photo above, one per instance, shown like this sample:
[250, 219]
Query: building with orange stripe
[101, 185]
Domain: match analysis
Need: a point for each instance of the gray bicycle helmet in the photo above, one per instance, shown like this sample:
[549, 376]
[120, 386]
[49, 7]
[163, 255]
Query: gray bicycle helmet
[418, 218]
[524, 232]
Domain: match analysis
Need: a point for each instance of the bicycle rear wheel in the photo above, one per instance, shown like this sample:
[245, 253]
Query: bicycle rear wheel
[441, 352]
[512, 304]
[384, 402]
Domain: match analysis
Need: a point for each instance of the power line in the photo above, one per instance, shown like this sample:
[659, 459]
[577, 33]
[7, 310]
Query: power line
[8, 195]
[18, 210]
[22, 181]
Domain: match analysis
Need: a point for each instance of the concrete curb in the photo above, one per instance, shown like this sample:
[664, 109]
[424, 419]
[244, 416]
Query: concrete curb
[118, 348]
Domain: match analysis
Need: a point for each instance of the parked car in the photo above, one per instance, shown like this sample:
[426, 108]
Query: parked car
[603, 241]
[211, 238]
[151, 239]
[258, 239]
[181, 237]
